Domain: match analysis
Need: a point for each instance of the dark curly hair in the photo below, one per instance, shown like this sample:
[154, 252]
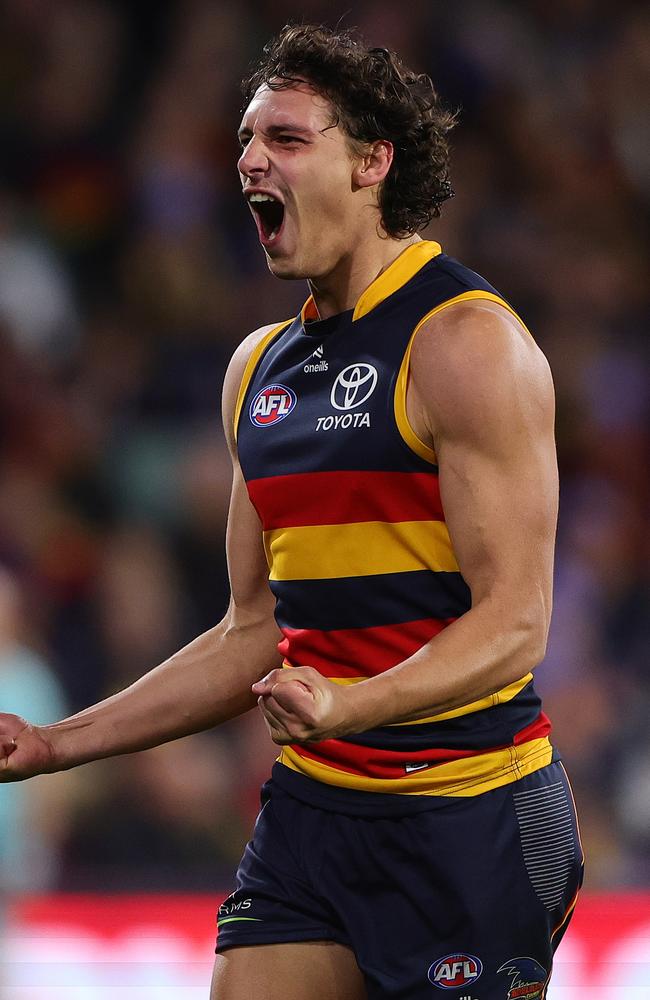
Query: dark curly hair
[374, 97]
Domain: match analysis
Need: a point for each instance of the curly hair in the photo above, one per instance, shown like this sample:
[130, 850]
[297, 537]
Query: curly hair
[374, 97]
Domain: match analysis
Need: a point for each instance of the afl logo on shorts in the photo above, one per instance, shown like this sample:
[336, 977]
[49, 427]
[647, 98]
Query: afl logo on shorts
[453, 972]
[272, 404]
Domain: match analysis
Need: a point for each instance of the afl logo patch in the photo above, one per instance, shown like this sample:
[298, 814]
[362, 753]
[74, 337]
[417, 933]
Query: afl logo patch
[272, 404]
[455, 971]
[353, 386]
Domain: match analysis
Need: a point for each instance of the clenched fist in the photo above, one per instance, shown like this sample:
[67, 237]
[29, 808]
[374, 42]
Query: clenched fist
[24, 749]
[300, 706]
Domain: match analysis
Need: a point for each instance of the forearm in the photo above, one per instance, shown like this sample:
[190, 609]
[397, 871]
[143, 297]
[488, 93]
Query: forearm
[203, 684]
[474, 657]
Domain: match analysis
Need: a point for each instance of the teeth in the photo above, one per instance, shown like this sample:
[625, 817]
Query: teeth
[262, 197]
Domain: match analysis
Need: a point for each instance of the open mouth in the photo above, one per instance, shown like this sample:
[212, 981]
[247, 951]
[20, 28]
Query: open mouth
[269, 213]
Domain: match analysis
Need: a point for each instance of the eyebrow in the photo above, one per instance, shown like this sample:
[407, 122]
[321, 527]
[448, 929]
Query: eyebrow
[274, 130]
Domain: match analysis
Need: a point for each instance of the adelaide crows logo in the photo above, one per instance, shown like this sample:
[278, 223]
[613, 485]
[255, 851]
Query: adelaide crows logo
[528, 979]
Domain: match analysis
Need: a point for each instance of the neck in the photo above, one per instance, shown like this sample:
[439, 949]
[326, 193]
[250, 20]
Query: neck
[342, 287]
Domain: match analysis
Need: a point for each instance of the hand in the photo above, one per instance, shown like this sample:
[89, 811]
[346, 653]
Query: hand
[300, 706]
[24, 749]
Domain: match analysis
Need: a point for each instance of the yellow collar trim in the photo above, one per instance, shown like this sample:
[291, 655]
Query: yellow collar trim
[403, 268]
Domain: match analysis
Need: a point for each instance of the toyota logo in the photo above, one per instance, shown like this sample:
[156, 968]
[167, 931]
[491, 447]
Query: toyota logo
[353, 386]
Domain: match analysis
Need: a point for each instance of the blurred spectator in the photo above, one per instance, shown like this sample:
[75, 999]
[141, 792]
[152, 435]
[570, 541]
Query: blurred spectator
[37, 305]
[162, 817]
[33, 816]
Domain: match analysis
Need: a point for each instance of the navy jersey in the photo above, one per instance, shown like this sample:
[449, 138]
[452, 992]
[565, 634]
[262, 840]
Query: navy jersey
[360, 559]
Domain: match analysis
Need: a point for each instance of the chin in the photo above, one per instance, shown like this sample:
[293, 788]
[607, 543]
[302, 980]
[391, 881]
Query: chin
[285, 268]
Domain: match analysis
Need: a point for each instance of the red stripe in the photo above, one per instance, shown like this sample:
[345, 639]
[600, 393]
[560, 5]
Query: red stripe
[358, 652]
[345, 498]
[535, 731]
[371, 762]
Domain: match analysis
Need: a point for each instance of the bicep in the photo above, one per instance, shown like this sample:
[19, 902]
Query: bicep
[247, 565]
[490, 404]
[500, 505]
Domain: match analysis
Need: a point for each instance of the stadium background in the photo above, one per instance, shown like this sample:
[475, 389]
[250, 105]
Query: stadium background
[129, 269]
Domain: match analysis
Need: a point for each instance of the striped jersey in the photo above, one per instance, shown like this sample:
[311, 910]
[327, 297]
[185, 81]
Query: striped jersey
[360, 559]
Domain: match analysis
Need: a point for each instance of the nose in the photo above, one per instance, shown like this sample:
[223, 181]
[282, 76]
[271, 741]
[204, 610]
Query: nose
[254, 159]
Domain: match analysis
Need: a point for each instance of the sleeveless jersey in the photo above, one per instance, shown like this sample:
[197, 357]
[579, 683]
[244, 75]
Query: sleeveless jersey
[360, 559]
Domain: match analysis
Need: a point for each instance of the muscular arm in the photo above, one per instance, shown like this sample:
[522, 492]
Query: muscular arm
[481, 396]
[205, 683]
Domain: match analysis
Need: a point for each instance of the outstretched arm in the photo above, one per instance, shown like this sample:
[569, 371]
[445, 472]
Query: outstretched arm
[205, 683]
[481, 396]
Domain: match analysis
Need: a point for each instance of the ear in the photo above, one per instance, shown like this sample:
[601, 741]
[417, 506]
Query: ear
[374, 164]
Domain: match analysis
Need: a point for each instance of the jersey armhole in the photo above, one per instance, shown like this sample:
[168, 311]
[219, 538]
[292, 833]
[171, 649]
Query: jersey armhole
[401, 418]
[252, 363]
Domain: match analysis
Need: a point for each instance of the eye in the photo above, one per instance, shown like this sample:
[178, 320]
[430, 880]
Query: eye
[286, 140]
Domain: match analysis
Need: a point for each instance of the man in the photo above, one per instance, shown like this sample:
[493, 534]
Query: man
[395, 483]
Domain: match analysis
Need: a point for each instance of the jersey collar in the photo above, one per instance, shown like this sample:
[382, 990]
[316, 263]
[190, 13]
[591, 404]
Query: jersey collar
[403, 268]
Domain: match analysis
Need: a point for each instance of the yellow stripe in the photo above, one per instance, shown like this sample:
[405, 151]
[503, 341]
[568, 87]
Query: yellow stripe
[334, 680]
[251, 365]
[458, 778]
[567, 915]
[342, 681]
[498, 698]
[368, 548]
[409, 262]
[413, 441]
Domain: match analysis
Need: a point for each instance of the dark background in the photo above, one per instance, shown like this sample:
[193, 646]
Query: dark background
[129, 269]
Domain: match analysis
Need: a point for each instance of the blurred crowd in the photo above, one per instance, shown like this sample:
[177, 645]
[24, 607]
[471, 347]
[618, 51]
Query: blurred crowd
[129, 269]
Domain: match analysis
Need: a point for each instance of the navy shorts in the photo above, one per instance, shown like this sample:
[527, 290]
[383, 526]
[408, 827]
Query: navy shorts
[469, 896]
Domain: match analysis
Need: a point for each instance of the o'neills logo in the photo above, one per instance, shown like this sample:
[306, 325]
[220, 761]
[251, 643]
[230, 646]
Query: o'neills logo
[272, 404]
[320, 366]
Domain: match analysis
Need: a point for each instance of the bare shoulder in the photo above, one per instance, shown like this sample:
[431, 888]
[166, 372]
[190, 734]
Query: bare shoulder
[242, 354]
[474, 365]
[235, 374]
